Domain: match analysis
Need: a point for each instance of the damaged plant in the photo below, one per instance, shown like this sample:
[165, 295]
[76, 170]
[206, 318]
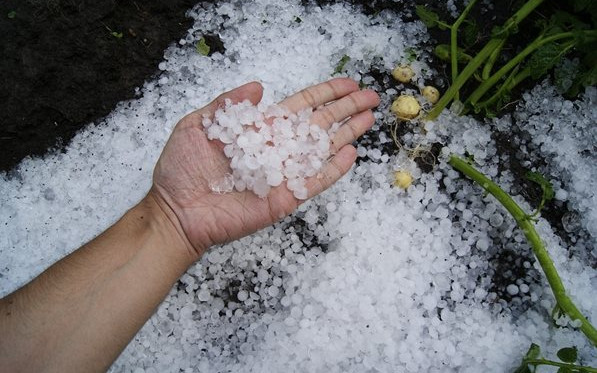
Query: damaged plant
[558, 36]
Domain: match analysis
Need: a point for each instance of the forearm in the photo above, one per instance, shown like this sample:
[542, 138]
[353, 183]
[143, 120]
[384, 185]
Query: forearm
[81, 312]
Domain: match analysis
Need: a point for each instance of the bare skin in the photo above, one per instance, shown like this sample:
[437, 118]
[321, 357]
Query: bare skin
[79, 314]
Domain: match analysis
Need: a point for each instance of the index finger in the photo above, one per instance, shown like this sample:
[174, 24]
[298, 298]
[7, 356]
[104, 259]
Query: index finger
[320, 94]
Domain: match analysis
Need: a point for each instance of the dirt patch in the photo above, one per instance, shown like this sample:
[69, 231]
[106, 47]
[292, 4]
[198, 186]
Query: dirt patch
[66, 63]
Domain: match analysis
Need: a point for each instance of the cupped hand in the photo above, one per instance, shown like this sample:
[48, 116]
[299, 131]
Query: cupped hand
[190, 161]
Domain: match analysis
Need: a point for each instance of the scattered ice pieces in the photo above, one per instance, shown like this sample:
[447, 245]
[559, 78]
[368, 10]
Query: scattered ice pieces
[363, 283]
[222, 185]
[261, 155]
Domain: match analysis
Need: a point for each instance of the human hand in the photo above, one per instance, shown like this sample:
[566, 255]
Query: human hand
[190, 161]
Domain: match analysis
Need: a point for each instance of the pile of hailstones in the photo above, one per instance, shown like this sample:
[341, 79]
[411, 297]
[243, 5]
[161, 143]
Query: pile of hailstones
[267, 145]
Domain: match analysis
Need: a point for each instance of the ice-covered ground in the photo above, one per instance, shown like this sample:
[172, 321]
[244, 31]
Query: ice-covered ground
[364, 278]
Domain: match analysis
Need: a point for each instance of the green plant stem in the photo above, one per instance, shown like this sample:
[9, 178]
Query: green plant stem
[454, 43]
[443, 24]
[474, 64]
[468, 71]
[491, 61]
[511, 81]
[560, 365]
[522, 75]
[536, 44]
[524, 223]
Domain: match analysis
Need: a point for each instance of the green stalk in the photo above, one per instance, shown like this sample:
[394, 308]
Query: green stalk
[491, 61]
[524, 223]
[536, 44]
[454, 43]
[443, 24]
[578, 368]
[468, 71]
[511, 81]
[472, 66]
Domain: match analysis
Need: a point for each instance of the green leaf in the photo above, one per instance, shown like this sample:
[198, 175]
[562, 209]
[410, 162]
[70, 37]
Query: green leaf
[442, 51]
[428, 17]
[544, 59]
[470, 33]
[341, 64]
[501, 32]
[298, 20]
[12, 14]
[533, 352]
[545, 185]
[411, 54]
[565, 75]
[580, 5]
[587, 75]
[117, 35]
[564, 370]
[590, 77]
[568, 354]
[566, 21]
[202, 48]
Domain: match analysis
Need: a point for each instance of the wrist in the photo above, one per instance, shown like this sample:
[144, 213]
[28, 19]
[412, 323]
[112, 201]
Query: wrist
[163, 223]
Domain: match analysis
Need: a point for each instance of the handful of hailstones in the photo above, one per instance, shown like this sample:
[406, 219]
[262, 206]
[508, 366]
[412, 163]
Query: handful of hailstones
[267, 145]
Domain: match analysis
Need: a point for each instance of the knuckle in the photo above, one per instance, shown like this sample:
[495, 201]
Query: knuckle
[328, 115]
[309, 98]
[353, 97]
[333, 88]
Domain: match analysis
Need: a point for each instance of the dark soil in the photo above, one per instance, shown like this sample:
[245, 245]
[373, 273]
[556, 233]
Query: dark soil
[66, 63]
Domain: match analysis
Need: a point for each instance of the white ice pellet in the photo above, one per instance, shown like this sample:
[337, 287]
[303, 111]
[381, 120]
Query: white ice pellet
[263, 156]
[483, 244]
[224, 184]
[512, 289]
[203, 295]
[242, 295]
[561, 195]
[496, 220]
[273, 291]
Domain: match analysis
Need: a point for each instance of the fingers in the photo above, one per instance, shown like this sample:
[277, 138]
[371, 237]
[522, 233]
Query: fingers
[349, 105]
[352, 130]
[332, 171]
[320, 94]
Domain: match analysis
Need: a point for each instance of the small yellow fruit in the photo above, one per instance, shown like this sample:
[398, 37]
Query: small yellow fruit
[431, 94]
[402, 179]
[406, 107]
[403, 74]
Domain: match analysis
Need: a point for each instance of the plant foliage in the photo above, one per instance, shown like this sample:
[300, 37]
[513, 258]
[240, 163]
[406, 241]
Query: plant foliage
[557, 35]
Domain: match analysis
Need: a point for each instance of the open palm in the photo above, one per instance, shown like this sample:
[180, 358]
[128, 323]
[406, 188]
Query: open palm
[190, 161]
